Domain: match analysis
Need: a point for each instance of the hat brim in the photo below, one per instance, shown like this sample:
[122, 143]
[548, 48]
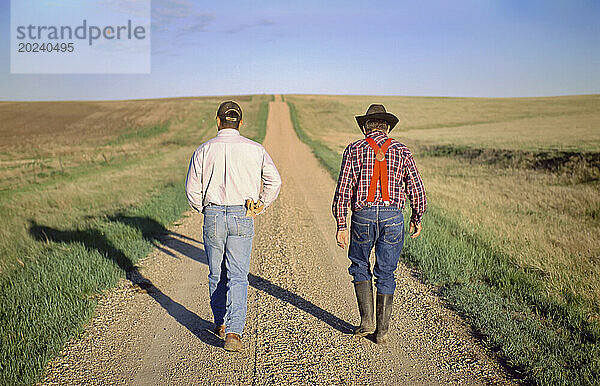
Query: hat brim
[391, 119]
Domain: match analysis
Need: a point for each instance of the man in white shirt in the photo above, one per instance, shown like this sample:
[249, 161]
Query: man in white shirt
[224, 172]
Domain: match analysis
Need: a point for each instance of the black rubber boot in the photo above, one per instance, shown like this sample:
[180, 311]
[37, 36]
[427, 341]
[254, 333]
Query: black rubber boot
[364, 297]
[384, 312]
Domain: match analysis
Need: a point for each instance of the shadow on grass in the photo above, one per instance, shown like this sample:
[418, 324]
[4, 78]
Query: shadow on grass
[168, 241]
[96, 240]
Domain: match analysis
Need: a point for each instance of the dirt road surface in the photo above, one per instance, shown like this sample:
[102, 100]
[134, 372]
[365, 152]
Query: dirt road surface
[301, 307]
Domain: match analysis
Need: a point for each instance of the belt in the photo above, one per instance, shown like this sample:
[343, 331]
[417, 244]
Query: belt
[223, 206]
[370, 204]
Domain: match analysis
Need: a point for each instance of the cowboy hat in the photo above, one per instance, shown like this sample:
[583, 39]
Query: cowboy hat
[377, 111]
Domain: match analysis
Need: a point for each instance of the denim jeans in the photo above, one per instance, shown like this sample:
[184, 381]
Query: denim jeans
[228, 235]
[382, 227]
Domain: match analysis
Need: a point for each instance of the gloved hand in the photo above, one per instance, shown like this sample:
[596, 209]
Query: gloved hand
[253, 209]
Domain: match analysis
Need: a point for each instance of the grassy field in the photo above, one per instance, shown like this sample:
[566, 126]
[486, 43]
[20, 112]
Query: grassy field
[512, 234]
[86, 190]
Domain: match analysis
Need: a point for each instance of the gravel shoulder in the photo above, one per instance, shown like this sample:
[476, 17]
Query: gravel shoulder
[301, 307]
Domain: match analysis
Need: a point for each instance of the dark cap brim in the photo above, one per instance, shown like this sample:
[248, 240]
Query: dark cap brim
[391, 119]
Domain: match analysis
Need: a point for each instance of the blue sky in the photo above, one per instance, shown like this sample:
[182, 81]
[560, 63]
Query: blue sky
[442, 48]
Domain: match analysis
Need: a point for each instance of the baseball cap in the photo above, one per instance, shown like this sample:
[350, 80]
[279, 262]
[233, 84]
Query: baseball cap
[230, 111]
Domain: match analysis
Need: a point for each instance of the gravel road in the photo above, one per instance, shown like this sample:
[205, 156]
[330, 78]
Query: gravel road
[301, 307]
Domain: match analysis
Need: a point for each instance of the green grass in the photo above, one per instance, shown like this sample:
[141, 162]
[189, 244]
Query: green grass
[548, 340]
[141, 133]
[328, 157]
[260, 124]
[50, 299]
[67, 239]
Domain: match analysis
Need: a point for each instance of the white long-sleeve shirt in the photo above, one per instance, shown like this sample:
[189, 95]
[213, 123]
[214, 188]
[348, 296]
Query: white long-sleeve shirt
[229, 169]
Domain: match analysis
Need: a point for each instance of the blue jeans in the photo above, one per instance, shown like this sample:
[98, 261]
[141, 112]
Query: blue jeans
[382, 227]
[228, 235]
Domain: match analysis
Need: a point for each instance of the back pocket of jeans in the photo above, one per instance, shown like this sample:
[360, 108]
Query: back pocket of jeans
[360, 232]
[244, 226]
[393, 233]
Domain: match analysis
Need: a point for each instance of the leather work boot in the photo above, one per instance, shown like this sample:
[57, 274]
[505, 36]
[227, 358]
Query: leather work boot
[233, 342]
[384, 311]
[364, 297]
[220, 331]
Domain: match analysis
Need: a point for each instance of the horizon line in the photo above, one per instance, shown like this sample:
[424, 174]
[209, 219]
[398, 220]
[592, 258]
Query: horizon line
[302, 94]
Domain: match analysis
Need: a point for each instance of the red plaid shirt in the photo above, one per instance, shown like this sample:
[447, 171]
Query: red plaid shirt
[355, 177]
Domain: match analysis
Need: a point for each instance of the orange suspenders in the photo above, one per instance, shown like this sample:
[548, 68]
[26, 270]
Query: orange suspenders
[379, 171]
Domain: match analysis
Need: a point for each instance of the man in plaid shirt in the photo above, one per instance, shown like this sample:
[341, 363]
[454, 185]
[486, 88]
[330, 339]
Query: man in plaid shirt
[376, 176]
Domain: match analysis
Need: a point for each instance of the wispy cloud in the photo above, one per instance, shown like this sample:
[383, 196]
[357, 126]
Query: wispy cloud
[173, 21]
[199, 24]
[180, 16]
[245, 26]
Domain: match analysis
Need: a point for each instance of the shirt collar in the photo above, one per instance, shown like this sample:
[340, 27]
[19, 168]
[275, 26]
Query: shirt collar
[377, 134]
[228, 132]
